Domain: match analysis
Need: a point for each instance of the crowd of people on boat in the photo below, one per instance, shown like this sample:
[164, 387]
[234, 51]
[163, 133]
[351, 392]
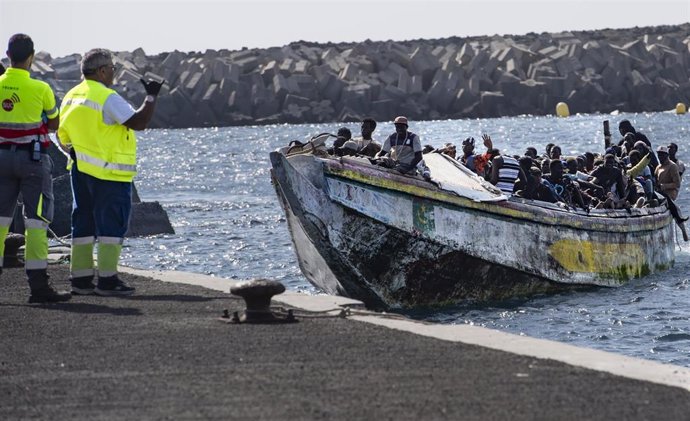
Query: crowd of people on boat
[628, 175]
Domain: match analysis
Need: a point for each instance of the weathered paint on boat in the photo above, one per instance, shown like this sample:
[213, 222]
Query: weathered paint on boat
[391, 241]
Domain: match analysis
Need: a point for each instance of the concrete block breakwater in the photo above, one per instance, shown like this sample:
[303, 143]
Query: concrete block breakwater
[636, 69]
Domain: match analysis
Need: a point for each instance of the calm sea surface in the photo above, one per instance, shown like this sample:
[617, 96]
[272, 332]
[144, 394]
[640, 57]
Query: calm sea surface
[215, 185]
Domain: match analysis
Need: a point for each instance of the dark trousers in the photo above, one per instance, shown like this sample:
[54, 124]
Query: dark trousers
[101, 208]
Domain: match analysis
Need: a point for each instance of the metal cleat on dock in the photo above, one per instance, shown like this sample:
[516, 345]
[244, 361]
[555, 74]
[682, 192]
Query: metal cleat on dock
[257, 295]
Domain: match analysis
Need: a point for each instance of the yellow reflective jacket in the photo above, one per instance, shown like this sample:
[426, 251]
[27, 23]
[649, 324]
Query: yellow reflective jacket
[104, 151]
[23, 101]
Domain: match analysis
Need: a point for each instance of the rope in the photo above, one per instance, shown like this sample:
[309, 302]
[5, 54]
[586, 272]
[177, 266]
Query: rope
[343, 313]
[59, 239]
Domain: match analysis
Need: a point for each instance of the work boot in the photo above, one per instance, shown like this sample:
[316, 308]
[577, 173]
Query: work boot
[82, 286]
[41, 289]
[112, 286]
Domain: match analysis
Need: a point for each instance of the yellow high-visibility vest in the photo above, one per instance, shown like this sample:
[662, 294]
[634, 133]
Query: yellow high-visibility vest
[104, 151]
[23, 101]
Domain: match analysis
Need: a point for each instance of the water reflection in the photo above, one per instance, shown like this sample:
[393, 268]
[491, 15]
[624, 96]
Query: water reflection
[215, 185]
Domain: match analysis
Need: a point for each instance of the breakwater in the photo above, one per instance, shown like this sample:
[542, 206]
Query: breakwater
[635, 69]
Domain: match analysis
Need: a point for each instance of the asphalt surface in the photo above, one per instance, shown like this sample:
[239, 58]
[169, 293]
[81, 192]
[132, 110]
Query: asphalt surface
[162, 354]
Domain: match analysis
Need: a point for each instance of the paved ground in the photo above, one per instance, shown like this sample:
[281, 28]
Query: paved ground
[161, 354]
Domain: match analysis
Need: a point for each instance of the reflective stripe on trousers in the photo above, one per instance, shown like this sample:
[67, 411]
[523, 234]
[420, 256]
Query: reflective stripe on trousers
[81, 261]
[103, 207]
[36, 251]
[109, 249]
[20, 174]
[4, 229]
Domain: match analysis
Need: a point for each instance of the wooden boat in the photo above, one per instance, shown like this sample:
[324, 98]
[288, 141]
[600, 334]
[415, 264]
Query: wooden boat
[390, 240]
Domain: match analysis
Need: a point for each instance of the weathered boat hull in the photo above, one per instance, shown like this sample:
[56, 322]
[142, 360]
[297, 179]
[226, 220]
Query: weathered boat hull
[395, 242]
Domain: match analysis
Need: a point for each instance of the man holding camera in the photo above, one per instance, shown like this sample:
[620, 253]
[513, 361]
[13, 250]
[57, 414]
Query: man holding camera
[97, 127]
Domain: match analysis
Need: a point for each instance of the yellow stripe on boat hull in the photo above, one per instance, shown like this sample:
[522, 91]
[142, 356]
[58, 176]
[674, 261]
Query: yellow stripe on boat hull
[617, 261]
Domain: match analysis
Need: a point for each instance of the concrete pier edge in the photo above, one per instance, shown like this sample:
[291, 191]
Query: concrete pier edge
[620, 365]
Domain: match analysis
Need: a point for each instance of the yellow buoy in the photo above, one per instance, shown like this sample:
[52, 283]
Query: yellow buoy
[562, 109]
[680, 108]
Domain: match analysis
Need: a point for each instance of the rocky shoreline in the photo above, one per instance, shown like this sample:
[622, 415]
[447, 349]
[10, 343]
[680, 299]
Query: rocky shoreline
[633, 70]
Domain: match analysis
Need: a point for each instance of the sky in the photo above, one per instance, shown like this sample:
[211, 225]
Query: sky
[63, 27]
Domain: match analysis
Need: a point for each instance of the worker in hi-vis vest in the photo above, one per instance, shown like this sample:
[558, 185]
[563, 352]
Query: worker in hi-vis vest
[25, 167]
[96, 126]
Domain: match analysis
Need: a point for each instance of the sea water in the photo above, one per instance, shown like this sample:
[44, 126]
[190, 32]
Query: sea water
[215, 185]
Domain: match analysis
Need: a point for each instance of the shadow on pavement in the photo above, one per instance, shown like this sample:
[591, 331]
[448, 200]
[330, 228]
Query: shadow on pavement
[73, 307]
[181, 298]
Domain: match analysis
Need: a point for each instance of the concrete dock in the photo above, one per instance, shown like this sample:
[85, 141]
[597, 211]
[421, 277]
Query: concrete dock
[162, 354]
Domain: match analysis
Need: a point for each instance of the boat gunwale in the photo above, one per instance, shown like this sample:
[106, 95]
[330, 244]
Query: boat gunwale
[645, 219]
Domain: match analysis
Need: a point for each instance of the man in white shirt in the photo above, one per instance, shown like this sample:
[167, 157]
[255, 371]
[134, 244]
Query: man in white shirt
[97, 127]
[403, 146]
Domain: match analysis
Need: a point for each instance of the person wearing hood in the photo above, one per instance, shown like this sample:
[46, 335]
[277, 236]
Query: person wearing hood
[643, 149]
[625, 127]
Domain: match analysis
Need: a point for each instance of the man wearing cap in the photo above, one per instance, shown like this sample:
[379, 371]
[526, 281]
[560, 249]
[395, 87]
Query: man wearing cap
[97, 126]
[467, 158]
[25, 166]
[478, 163]
[667, 175]
[403, 146]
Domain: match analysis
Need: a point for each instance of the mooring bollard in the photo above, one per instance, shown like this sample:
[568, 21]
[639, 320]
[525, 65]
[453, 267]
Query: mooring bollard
[257, 295]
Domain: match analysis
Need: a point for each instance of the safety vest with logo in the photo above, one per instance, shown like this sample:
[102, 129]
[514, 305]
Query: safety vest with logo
[22, 103]
[104, 151]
